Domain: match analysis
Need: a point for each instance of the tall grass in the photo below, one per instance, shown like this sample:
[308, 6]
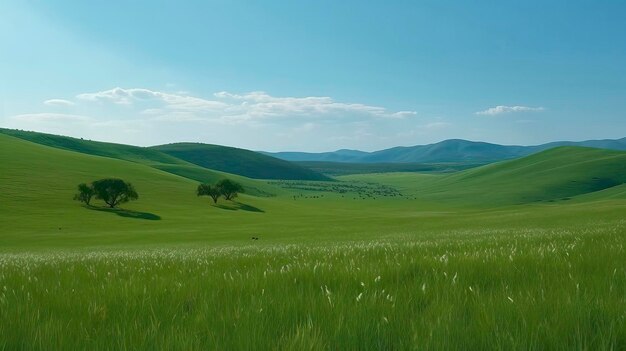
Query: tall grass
[527, 289]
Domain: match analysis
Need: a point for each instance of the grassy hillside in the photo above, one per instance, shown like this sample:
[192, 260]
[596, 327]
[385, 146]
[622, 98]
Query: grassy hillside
[238, 161]
[611, 144]
[554, 175]
[38, 183]
[225, 160]
[123, 152]
[145, 156]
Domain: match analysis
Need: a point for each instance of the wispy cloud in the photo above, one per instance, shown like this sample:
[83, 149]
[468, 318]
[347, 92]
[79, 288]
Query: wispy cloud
[259, 103]
[230, 106]
[499, 110]
[122, 96]
[59, 102]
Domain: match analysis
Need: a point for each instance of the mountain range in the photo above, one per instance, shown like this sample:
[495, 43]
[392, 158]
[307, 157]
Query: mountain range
[453, 150]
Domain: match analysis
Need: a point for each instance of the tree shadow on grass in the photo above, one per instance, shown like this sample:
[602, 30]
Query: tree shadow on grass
[238, 206]
[128, 213]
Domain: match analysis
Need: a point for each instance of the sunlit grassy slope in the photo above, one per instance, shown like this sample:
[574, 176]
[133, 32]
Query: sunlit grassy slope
[118, 151]
[554, 175]
[38, 183]
[206, 162]
[145, 156]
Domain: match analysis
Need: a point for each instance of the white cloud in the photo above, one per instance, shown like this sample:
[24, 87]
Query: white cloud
[239, 107]
[403, 114]
[59, 102]
[260, 104]
[498, 110]
[130, 96]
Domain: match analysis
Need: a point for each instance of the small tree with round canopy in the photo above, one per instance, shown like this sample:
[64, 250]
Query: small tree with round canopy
[229, 188]
[209, 190]
[85, 193]
[114, 191]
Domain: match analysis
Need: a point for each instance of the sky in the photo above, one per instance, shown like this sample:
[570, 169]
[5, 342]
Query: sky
[314, 75]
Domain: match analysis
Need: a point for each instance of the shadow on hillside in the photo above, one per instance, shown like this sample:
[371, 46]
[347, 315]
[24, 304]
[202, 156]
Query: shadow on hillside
[128, 213]
[238, 206]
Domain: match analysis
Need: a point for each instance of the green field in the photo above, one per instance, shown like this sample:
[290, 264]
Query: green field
[343, 168]
[521, 254]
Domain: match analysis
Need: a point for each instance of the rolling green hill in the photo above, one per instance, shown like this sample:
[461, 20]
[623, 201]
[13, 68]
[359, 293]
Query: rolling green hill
[229, 160]
[136, 154]
[238, 161]
[123, 152]
[554, 175]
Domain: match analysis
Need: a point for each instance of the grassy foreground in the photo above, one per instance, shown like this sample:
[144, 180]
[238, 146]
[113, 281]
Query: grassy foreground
[497, 289]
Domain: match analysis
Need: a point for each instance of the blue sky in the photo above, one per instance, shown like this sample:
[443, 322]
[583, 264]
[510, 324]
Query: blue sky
[314, 75]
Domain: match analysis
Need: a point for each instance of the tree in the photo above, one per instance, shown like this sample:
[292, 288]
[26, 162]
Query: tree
[229, 188]
[209, 190]
[114, 191]
[85, 193]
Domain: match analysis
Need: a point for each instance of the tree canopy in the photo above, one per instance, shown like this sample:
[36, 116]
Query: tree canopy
[114, 191]
[229, 188]
[85, 193]
[225, 187]
[209, 190]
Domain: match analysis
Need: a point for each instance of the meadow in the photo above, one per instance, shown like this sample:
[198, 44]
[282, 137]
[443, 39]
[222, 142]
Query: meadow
[377, 261]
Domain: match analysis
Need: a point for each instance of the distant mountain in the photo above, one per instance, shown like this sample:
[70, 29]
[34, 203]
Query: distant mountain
[447, 151]
[453, 150]
[238, 161]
